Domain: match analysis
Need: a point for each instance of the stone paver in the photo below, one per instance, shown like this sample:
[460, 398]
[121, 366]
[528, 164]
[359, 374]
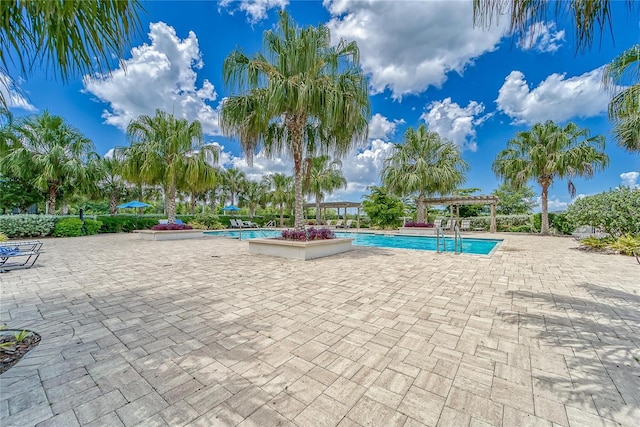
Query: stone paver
[200, 333]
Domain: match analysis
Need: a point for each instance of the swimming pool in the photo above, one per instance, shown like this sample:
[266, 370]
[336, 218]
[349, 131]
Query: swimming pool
[423, 243]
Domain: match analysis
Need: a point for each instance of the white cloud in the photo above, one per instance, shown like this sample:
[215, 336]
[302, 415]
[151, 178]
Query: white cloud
[256, 10]
[262, 166]
[411, 45]
[161, 75]
[381, 127]
[554, 204]
[542, 38]
[630, 179]
[455, 123]
[556, 98]
[12, 94]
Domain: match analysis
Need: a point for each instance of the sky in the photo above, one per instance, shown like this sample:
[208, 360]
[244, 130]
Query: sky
[425, 62]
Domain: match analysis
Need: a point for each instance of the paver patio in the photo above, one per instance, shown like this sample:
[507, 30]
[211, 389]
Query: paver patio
[199, 332]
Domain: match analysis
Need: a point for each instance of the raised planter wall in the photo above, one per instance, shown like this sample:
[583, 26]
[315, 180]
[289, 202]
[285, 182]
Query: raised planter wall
[300, 250]
[418, 231]
[169, 234]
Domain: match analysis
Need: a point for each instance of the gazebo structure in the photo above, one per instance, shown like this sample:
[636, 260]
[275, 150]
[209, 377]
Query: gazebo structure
[337, 205]
[467, 200]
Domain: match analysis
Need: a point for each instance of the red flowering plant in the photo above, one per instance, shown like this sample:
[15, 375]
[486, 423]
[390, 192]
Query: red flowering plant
[307, 235]
[166, 227]
[419, 224]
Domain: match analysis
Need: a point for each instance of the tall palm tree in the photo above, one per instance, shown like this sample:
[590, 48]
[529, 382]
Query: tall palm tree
[52, 155]
[252, 195]
[281, 187]
[301, 97]
[548, 152]
[423, 165]
[198, 184]
[588, 15]
[167, 151]
[624, 107]
[72, 37]
[233, 179]
[322, 175]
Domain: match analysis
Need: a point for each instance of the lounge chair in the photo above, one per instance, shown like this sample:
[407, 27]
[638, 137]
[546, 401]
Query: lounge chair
[466, 225]
[179, 222]
[329, 222]
[248, 224]
[234, 224]
[437, 223]
[19, 254]
[348, 223]
[338, 224]
[163, 221]
[449, 225]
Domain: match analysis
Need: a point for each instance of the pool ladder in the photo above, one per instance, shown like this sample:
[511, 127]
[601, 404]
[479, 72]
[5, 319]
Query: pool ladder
[441, 240]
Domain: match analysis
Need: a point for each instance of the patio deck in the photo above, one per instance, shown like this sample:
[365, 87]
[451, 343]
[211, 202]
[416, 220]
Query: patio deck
[200, 332]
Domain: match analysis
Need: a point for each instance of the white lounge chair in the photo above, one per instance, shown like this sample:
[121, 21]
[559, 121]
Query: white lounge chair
[466, 225]
[329, 222]
[348, 223]
[339, 223]
[235, 224]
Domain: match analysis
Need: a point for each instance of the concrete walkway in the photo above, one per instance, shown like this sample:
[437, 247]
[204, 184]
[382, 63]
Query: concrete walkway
[199, 332]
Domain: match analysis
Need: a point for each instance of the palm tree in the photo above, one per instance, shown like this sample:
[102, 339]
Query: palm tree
[72, 37]
[424, 165]
[168, 151]
[233, 179]
[323, 175]
[52, 155]
[252, 195]
[624, 107]
[281, 187]
[547, 152]
[112, 183]
[198, 184]
[587, 14]
[301, 98]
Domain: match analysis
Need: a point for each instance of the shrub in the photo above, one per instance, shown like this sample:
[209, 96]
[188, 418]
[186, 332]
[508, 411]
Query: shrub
[521, 229]
[68, 227]
[126, 223]
[166, 227]
[91, 226]
[206, 222]
[3, 237]
[558, 223]
[626, 245]
[309, 234]
[18, 226]
[598, 243]
[419, 224]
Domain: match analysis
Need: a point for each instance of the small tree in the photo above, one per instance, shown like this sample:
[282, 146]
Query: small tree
[617, 212]
[514, 201]
[384, 210]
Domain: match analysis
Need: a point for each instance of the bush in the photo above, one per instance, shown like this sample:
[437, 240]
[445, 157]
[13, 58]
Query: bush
[3, 237]
[626, 245]
[615, 212]
[91, 226]
[68, 227]
[503, 222]
[419, 224]
[166, 227]
[126, 223]
[206, 222]
[19, 226]
[558, 223]
[309, 234]
[521, 229]
[598, 243]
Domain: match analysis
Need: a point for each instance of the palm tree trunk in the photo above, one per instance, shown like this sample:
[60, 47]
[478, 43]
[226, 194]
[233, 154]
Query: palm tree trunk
[171, 204]
[281, 215]
[193, 201]
[317, 210]
[420, 207]
[52, 200]
[544, 226]
[295, 128]
[113, 203]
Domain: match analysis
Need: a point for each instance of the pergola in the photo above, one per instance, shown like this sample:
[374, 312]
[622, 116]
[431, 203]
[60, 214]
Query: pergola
[337, 205]
[467, 200]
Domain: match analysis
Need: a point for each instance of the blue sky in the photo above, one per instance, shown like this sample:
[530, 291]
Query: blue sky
[424, 60]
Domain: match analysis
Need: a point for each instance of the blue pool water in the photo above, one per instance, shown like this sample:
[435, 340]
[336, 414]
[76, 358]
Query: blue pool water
[424, 243]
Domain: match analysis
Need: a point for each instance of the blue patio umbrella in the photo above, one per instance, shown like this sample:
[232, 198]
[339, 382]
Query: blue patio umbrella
[133, 204]
[231, 208]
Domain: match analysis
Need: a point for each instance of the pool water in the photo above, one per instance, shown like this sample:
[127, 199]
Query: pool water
[423, 243]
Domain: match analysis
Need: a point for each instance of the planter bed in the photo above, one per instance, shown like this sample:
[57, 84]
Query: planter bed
[169, 234]
[418, 231]
[300, 250]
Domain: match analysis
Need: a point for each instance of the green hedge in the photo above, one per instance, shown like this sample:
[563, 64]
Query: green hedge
[73, 227]
[503, 222]
[20, 226]
[126, 223]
